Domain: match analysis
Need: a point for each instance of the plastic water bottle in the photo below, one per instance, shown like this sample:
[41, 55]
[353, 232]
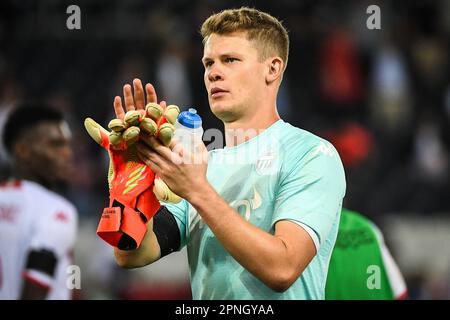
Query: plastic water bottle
[188, 130]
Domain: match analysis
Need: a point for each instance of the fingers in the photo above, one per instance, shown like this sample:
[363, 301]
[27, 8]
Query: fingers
[149, 157]
[118, 109]
[155, 168]
[128, 98]
[135, 101]
[156, 146]
[160, 149]
[176, 147]
[139, 99]
[151, 93]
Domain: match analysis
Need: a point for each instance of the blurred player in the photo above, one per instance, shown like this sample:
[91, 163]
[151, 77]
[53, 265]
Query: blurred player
[361, 266]
[261, 217]
[37, 225]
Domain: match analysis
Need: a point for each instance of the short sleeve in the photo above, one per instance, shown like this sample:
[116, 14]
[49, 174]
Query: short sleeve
[393, 272]
[179, 211]
[55, 230]
[311, 190]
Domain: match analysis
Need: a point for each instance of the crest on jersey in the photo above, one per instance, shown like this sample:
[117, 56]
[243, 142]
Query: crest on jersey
[266, 163]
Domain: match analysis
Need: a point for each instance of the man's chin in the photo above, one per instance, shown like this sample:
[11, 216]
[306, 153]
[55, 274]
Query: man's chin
[223, 112]
[53, 183]
[61, 183]
[63, 178]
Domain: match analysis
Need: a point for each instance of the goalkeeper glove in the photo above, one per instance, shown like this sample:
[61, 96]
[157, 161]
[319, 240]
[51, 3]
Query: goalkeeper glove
[133, 190]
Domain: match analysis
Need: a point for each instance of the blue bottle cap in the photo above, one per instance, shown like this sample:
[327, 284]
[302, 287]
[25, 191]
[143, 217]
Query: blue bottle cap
[190, 119]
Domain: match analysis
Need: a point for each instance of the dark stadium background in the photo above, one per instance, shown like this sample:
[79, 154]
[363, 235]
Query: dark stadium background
[381, 96]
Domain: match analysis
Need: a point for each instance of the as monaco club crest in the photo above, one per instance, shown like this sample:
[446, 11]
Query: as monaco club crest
[265, 164]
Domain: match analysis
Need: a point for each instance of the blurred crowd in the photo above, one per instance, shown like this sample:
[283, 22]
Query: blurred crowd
[382, 97]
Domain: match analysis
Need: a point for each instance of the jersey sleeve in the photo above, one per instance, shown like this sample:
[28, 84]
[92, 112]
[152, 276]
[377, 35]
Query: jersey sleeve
[52, 240]
[179, 211]
[394, 275]
[311, 189]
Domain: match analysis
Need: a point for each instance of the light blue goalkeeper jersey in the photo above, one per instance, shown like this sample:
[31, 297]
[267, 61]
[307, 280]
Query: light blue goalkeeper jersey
[284, 173]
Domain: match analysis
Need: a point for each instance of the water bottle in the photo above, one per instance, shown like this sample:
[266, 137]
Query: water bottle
[188, 130]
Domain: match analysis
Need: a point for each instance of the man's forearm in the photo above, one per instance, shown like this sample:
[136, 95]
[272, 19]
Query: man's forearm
[32, 291]
[147, 252]
[263, 254]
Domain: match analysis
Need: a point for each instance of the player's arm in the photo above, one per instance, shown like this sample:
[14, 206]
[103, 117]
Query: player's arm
[37, 278]
[51, 243]
[148, 252]
[162, 237]
[277, 260]
[33, 291]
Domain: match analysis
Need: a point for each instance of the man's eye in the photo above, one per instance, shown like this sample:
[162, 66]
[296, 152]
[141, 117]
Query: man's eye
[230, 59]
[208, 64]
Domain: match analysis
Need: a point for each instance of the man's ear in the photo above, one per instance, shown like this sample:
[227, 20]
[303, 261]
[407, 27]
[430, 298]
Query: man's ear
[275, 66]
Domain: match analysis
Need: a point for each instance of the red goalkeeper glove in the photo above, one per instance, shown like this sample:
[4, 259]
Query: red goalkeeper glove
[133, 192]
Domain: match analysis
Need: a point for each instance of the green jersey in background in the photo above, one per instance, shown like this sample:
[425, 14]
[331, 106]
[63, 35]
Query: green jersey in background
[361, 266]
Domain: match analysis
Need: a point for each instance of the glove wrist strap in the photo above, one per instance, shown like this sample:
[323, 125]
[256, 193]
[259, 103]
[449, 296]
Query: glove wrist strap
[124, 227]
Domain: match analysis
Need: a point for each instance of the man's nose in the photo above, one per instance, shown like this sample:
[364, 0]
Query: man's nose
[215, 74]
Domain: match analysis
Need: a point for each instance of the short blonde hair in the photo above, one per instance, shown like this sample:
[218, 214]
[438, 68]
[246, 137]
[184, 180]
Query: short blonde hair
[269, 34]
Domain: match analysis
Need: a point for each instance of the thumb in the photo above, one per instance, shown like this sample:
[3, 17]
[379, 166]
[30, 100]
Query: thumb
[163, 193]
[97, 132]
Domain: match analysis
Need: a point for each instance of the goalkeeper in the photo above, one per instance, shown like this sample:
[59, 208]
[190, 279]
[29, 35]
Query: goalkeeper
[259, 217]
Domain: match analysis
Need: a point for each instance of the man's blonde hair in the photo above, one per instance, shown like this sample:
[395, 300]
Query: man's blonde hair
[270, 36]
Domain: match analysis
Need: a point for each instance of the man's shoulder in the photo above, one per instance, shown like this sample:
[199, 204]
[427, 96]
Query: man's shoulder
[42, 196]
[354, 220]
[299, 143]
[300, 149]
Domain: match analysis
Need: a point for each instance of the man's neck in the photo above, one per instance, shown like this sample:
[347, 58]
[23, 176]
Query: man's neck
[24, 174]
[242, 130]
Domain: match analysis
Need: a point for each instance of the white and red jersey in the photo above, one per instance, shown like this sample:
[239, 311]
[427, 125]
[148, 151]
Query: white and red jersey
[33, 218]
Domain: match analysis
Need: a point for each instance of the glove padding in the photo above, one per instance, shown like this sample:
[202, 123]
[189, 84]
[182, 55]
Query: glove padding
[134, 190]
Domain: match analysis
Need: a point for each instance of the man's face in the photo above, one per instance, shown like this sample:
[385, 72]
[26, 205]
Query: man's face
[234, 75]
[48, 152]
